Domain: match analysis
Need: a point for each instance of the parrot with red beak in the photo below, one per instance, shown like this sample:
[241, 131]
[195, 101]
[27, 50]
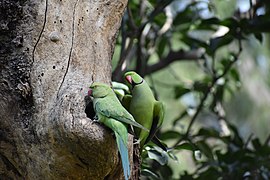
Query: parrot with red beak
[112, 114]
[146, 110]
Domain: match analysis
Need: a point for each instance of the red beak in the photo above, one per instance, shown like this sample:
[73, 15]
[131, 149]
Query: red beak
[129, 79]
[90, 92]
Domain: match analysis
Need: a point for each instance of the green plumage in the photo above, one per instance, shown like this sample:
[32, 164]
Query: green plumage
[107, 105]
[144, 107]
[111, 113]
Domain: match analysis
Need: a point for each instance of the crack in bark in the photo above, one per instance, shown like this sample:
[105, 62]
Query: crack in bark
[73, 119]
[83, 161]
[10, 166]
[95, 64]
[42, 30]
[71, 48]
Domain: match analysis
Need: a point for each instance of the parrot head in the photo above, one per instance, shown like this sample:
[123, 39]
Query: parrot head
[98, 90]
[133, 78]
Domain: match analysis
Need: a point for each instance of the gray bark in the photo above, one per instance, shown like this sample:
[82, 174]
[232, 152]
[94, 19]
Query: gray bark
[50, 52]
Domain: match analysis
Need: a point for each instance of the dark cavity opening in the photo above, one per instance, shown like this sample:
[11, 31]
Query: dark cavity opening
[89, 110]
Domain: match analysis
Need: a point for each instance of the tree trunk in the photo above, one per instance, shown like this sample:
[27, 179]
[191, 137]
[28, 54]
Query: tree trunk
[50, 52]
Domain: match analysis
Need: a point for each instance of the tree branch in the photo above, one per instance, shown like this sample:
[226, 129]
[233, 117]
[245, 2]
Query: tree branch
[116, 75]
[208, 92]
[174, 56]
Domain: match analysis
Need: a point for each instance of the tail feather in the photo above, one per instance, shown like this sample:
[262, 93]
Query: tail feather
[124, 155]
[156, 141]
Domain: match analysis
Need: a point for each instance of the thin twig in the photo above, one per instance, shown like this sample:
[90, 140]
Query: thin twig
[131, 19]
[140, 64]
[158, 9]
[248, 140]
[123, 35]
[214, 81]
[123, 57]
[198, 109]
[171, 57]
[213, 70]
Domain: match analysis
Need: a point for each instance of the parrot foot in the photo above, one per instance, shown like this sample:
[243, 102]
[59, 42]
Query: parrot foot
[136, 141]
[95, 119]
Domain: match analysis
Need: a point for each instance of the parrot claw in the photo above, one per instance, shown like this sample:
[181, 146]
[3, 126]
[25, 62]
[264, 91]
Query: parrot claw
[95, 119]
[136, 141]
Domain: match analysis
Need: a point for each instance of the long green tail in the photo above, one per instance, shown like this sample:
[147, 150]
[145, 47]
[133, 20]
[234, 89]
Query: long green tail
[124, 155]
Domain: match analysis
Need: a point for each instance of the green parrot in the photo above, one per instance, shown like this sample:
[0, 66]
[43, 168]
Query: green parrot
[112, 114]
[144, 108]
[120, 89]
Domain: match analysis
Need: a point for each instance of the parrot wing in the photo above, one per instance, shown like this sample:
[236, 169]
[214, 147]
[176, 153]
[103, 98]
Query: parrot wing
[126, 101]
[117, 85]
[158, 117]
[113, 109]
[120, 89]
[160, 144]
[159, 113]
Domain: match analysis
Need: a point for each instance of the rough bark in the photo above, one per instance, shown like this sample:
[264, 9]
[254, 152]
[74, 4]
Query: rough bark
[50, 52]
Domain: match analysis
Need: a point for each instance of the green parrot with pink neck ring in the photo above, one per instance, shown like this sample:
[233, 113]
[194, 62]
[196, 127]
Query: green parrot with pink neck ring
[112, 114]
[145, 109]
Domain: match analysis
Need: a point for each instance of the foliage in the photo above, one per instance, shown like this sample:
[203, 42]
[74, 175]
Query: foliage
[226, 157]
[156, 33]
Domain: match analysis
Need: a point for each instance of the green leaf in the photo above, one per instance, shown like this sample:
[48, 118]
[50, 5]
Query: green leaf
[158, 154]
[225, 62]
[208, 133]
[259, 37]
[255, 25]
[180, 90]
[205, 149]
[211, 173]
[149, 173]
[161, 46]
[160, 19]
[183, 17]
[256, 144]
[166, 172]
[173, 156]
[171, 134]
[231, 23]
[237, 140]
[185, 146]
[160, 157]
[195, 43]
[201, 86]
[211, 21]
[209, 24]
[235, 74]
[181, 116]
[218, 42]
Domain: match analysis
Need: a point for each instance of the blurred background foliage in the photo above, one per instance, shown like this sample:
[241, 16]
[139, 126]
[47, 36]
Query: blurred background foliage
[208, 61]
